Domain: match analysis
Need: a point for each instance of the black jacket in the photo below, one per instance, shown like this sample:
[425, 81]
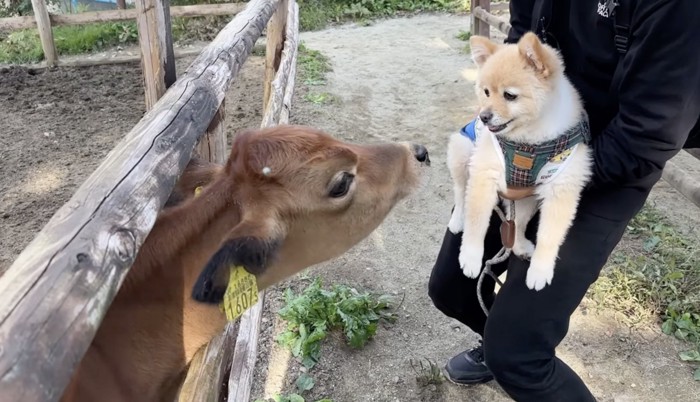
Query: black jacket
[642, 104]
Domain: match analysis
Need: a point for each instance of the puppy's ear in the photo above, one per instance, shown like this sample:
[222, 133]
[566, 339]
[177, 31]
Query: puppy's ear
[482, 48]
[252, 244]
[543, 60]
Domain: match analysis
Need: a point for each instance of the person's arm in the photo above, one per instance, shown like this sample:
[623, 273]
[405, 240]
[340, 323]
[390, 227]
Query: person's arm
[659, 94]
[520, 19]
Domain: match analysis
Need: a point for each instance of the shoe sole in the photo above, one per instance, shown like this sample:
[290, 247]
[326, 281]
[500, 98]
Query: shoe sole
[466, 382]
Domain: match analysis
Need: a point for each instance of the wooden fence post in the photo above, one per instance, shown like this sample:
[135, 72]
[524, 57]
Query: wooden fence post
[273, 54]
[157, 55]
[43, 24]
[212, 146]
[480, 27]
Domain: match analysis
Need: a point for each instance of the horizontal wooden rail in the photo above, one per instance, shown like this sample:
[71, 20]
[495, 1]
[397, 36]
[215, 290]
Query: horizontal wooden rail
[15, 23]
[682, 181]
[54, 296]
[496, 22]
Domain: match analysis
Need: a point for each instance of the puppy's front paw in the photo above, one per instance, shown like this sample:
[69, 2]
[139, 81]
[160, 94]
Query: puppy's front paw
[456, 224]
[523, 248]
[539, 276]
[470, 260]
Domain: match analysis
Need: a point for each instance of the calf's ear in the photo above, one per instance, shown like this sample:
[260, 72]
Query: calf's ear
[252, 244]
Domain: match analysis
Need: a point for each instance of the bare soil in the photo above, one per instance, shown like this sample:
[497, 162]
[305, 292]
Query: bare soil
[400, 79]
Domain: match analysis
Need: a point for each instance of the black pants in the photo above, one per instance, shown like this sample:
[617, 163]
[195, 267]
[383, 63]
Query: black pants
[525, 326]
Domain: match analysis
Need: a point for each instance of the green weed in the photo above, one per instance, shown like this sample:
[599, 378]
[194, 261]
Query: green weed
[315, 312]
[427, 374]
[313, 66]
[659, 277]
[290, 398]
[463, 35]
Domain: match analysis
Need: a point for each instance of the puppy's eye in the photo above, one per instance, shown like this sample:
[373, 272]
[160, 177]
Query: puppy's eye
[486, 92]
[342, 186]
[509, 96]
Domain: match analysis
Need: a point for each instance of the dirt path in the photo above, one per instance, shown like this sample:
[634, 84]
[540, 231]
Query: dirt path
[409, 79]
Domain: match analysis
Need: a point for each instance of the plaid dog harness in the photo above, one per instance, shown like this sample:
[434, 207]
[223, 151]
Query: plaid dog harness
[530, 165]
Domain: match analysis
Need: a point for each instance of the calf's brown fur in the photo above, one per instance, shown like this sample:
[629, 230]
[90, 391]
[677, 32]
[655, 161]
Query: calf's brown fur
[277, 206]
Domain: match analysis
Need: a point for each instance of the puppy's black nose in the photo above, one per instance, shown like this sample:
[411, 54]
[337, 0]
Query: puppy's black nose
[486, 116]
[421, 154]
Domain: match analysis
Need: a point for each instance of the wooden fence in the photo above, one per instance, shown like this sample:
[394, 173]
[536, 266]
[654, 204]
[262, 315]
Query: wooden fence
[44, 22]
[680, 179]
[55, 295]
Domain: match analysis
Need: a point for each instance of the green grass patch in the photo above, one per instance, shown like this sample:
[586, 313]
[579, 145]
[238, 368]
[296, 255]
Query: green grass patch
[317, 14]
[659, 276]
[313, 66]
[317, 311]
[463, 35]
[24, 46]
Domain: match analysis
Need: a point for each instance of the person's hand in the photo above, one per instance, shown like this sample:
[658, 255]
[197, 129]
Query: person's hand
[518, 193]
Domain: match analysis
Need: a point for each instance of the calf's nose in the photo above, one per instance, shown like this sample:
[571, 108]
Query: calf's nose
[421, 154]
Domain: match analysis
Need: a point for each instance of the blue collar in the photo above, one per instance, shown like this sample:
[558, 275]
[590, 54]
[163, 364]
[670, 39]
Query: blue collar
[468, 131]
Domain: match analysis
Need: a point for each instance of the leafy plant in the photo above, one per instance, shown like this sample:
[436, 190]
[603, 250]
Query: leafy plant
[661, 276]
[315, 312]
[290, 398]
[463, 35]
[427, 374]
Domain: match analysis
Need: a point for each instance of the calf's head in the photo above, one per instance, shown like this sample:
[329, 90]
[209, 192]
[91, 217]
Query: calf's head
[303, 197]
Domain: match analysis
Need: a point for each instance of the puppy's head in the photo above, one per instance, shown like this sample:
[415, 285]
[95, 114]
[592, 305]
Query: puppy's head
[514, 81]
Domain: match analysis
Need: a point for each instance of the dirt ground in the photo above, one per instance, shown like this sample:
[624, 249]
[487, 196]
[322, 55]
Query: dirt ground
[401, 79]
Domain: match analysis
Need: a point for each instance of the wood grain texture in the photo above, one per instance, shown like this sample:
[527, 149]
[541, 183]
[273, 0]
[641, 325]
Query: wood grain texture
[275, 44]
[278, 86]
[54, 296]
[212, 146]
[246, 349]
[489, 20]
[209, 367]
[15, 23]
[155, 42]
[245, 353]
[43, 23]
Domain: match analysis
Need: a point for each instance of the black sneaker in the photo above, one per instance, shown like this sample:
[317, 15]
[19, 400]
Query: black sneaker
[468, 367]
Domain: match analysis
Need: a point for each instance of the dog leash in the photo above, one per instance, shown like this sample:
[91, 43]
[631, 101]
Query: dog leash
[507, 240]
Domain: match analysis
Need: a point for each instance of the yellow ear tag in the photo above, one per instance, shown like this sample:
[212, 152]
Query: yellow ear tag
[197, 191]
[241, 293]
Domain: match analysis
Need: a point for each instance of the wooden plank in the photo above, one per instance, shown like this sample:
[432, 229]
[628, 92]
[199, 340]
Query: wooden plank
[275, 43]
[245, 353]
[208, 369]
[278, 86]
[246, 350]
[683, 182]
[155, 41]
[490, 20]
[54, 296]
[213, 145]
[25, 22]
[43, 24]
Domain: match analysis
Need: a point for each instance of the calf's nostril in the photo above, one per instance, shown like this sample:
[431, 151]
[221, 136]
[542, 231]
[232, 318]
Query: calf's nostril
[421, 154]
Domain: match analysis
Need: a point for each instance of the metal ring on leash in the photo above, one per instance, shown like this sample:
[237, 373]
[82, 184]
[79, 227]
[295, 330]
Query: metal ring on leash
[502, 255]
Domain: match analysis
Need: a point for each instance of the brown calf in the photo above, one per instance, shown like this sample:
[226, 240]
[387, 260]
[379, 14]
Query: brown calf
[289, 197]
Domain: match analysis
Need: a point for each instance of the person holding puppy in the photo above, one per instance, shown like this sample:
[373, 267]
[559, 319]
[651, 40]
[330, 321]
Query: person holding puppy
[636, 66]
